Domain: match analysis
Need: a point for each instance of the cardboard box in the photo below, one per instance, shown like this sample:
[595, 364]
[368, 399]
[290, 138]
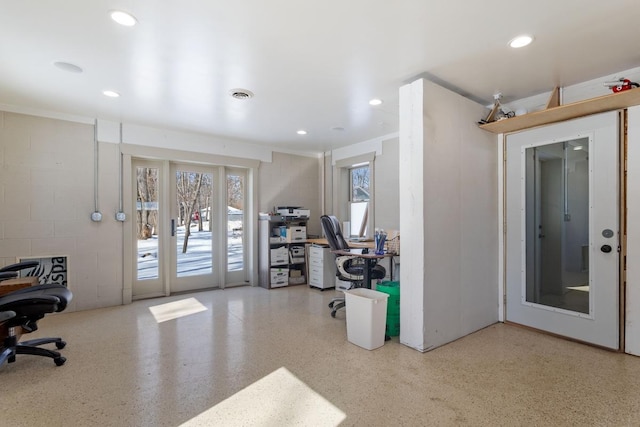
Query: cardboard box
[296, 254]
[295, 273]
[279, 256]
[296, 234]
[296, 280]
[279, 277]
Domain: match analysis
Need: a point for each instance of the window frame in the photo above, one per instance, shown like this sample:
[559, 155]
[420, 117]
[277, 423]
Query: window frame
[342, 187]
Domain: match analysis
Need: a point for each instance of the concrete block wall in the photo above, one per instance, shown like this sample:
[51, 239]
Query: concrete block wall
[46, 189]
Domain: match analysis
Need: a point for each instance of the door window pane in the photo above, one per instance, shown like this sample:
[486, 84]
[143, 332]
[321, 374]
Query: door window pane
[235, 222]
[147, 222]
[557, 223]
[194, 198]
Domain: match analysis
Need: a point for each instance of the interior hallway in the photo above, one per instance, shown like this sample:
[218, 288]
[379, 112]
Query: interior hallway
[126, 369]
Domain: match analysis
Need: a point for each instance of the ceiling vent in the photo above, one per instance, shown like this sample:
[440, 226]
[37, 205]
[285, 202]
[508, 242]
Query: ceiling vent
[241, 93]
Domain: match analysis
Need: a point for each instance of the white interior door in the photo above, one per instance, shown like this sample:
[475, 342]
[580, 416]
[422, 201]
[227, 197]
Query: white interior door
[562, 233]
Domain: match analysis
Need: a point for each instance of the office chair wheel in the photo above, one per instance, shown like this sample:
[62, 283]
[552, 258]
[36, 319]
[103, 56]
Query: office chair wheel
[60, 360]
[331, 304]
[333, 313]
[60, 345]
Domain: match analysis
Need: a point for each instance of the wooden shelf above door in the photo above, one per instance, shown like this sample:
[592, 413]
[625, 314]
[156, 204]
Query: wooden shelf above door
[613, 101]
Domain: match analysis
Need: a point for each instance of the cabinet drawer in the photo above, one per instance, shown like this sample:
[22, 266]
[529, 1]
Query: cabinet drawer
[318, 252]
[315, 279]
[316, 269]
[316, 261]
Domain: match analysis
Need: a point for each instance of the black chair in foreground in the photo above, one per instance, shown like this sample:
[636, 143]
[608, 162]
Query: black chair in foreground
[30, 305]
[11, 271]
[349, 268]
[5, 352]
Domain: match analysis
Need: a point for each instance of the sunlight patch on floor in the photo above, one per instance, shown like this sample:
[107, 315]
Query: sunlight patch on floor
[176, 309]
[584, 288]
[278, 399]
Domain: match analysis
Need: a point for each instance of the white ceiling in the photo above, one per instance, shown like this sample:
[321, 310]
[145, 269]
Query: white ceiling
[312, 65]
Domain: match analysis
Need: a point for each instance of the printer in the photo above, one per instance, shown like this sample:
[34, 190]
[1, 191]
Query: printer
[293, 212]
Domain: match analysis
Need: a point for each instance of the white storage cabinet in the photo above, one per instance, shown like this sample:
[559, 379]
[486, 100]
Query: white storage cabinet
[281, 259]
[322, 267]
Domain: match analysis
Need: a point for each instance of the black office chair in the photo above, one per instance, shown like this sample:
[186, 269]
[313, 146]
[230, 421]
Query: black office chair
[5, 352]
[25, 307]
[349, 268]
[11, 271]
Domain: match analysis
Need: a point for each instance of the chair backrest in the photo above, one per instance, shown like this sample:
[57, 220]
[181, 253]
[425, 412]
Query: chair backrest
[20, 266]
[333, 233]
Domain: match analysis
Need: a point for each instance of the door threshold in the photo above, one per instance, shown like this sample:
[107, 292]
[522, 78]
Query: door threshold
[542, 331]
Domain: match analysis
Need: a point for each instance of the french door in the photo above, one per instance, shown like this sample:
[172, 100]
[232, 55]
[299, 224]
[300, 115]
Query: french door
[562, 232]
[188, 228]
[194, 227]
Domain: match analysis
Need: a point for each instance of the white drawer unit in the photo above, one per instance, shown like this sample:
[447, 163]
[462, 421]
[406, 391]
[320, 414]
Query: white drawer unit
[321, 268]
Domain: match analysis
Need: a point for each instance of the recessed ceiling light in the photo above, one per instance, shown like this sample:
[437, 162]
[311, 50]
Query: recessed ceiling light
[375, 101]
[241, 93]
[123, 18]
[67, 66]
[111, 93]
[521, 41]
[302, 132]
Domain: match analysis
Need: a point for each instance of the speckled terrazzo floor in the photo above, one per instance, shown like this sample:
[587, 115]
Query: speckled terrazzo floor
[252, 357]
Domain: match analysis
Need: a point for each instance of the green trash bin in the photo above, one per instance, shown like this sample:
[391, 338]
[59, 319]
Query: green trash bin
[392, 328]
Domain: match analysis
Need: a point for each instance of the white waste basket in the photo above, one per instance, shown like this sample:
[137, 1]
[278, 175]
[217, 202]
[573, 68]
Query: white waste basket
[366, 317]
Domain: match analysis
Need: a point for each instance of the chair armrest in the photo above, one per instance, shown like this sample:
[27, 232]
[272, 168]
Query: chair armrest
[6, 275]
[20, 266]
[14, 301]
[6, 315]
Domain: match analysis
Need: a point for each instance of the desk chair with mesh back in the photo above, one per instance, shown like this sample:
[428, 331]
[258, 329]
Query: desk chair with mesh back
[349, 268]
[20, 311]
[25, 307]
[11, 271]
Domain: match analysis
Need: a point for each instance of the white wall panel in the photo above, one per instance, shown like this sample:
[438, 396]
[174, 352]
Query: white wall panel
[632, 318]
[448, 184]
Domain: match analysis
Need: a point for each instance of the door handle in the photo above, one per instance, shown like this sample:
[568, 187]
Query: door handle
[173, 227]
[605, 248]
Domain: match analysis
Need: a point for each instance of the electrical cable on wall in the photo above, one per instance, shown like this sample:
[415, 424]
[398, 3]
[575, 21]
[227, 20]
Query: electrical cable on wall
[96, 216]
[120, 215]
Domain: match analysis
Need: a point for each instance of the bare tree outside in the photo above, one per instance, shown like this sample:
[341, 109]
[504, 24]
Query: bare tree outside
[360, 184]
[235, 191]
[202, 210]
[188, 188]
[147, 199]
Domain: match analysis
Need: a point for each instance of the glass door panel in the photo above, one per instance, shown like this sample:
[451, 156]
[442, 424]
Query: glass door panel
[235, 222]
[147, 222]
[193, 228]
[147, 191]
[558, 225]
[235, 204]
